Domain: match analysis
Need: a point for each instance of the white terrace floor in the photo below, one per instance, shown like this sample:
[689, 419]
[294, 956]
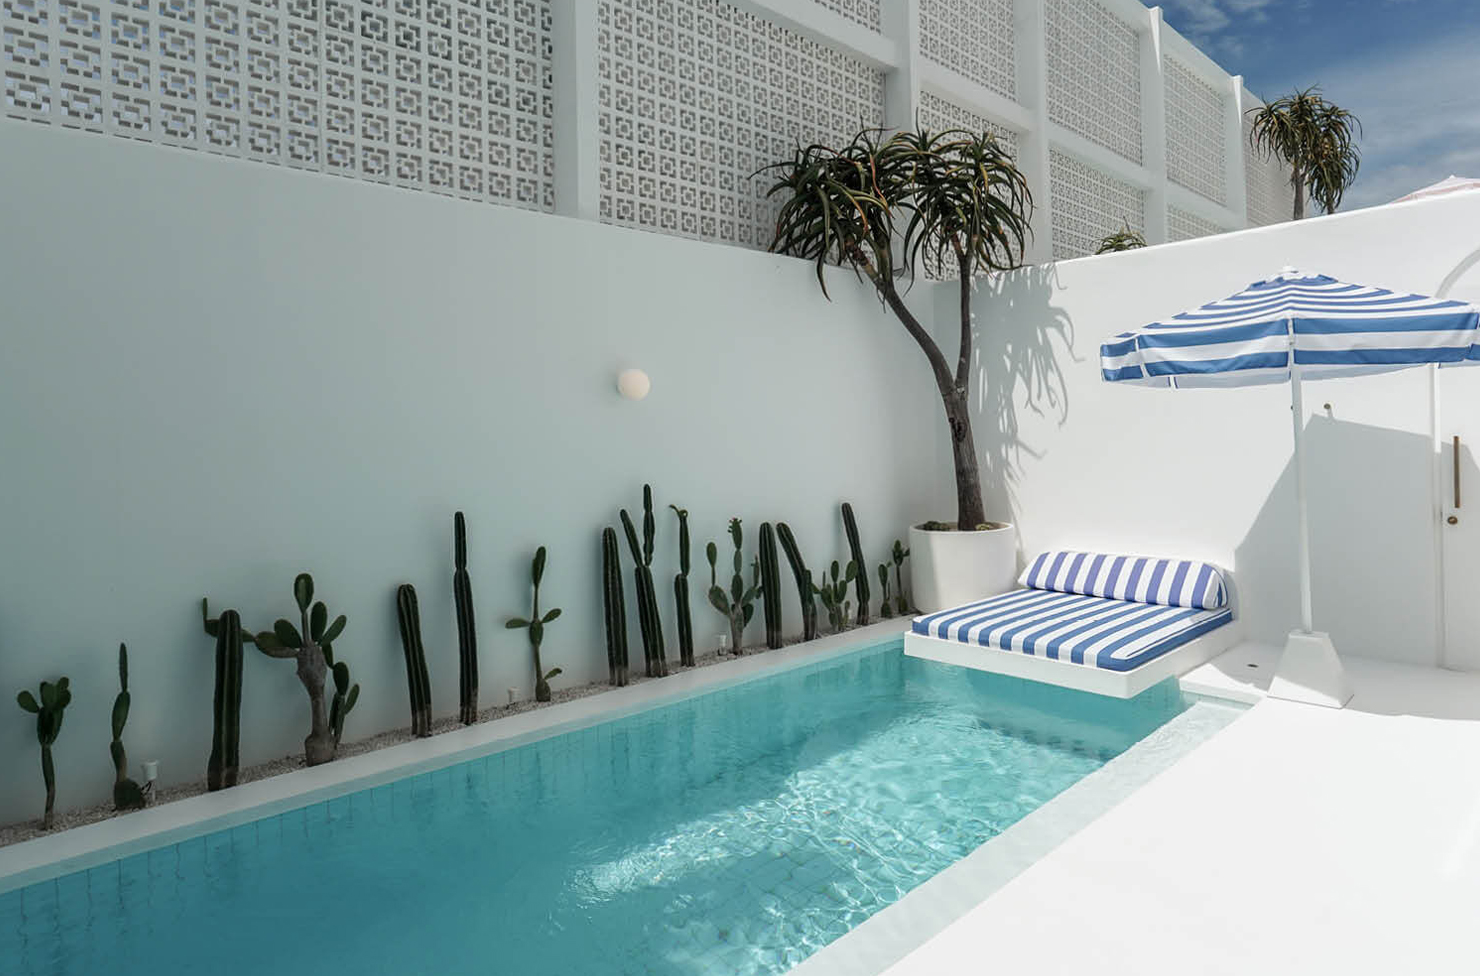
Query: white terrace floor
[1298, 840]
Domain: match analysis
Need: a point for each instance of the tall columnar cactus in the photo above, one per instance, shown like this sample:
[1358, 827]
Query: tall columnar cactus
[649, 621]
[860, 582]
[226, 732]
[48, 712]
[899, 554]
[806, 592]
[126, 793]
[311, 645]
[737, 606]
[535, 624]
[681, 591]
[467, 634]
[615, 604]
[418, 681]
[770, 585]
[834, 594]
[886, 609]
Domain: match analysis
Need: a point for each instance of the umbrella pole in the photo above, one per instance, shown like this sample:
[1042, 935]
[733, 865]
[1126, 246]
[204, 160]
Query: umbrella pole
[1297, 413]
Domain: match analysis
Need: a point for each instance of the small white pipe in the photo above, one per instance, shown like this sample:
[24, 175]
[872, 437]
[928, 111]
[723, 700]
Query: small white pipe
[1297, 410]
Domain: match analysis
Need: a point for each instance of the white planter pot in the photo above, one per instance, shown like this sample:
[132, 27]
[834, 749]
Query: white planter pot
[950, 568]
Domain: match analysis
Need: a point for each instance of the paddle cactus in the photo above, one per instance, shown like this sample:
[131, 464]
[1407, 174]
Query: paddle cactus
[614, 602]
[806, 593]
[126, 793]
[899, 554]
[681, 591]
[649, 621]
[860, 581]
[48, 711]
[418, 680]
[226, 732]
[834, 594]
[737, 606]
[467, 634]
[536, 624]
[770, 585]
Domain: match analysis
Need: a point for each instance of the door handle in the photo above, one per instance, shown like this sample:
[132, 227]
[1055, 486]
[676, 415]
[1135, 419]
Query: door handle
[1454, 519]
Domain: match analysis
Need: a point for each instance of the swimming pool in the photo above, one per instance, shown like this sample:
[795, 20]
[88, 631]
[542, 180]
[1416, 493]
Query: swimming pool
[737, 831]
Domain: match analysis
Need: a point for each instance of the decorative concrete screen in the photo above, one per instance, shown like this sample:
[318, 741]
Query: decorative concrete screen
[656, 114]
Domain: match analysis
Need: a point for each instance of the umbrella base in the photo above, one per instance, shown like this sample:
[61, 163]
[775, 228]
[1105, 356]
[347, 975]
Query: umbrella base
[1310, 672]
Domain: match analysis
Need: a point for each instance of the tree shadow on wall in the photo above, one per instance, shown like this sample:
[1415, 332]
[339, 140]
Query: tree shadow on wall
[1017, 335]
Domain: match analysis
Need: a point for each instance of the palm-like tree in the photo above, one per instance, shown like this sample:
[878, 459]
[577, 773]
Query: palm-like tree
[1316, 139]
[883, 206]
[1124, 239]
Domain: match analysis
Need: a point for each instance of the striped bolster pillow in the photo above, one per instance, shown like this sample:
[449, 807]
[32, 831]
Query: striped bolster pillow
[1138, 579]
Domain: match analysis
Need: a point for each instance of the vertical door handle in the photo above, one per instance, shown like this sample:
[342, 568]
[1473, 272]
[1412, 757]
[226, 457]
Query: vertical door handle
[1454, 519]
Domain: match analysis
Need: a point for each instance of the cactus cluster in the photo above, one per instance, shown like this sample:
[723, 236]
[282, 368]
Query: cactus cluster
[536, 624]
[886, 608]
[738, 605]
[681, 591]
[467, 634]
[806, 592]
[418, 680]
[899, 554]
[54, 698]
[855, 548]
[770, 585]
[614, 603]
[226, 729]
[834, 595]
[126, 793]
[648, 619]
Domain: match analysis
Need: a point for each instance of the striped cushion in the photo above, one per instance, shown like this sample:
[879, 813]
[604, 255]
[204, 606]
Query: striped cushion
[1139, 579]
[1114, 635]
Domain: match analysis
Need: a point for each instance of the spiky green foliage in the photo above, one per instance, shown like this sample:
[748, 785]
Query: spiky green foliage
[48, 709]
[535, 624]
[953, 199]
[681, 591]
[834, 595]
[855, 548]
[467, 631]
[1316, 139]
[738, 605]
[614, 603]
[226, 708]
[899, 554]
[770, 585]
[418, 680]
[806, 592]
[1124, 239]
[650, 622]
[126, 793]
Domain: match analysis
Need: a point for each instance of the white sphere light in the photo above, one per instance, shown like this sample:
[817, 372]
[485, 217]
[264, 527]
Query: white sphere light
[633, 384]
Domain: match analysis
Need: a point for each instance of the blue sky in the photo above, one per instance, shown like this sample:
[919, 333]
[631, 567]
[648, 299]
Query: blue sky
[1409, 69]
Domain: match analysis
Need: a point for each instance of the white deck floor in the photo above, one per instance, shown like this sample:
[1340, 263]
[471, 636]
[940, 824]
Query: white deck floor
[1298, 840]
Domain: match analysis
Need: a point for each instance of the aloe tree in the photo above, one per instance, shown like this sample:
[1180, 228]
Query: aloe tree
[882, 207]
[1124, 239]
[1316, 139]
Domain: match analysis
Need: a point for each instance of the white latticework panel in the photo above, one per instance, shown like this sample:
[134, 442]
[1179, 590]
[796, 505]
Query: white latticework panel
[425, 94]
[1089, 205]
[1271, 199]
[865, 12]
[1184, 226]
[1094, 75]
[973, 38]
[1196, 113]
[696, 96]
[938, 115]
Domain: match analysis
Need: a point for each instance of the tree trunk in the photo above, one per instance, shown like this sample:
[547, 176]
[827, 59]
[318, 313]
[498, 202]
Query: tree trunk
[969, 509]
[1299, 183]
[48, 773]
[319, 746]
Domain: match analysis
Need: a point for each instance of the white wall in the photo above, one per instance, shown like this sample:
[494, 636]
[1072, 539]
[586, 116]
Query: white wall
[215, 375]
[1209, 473]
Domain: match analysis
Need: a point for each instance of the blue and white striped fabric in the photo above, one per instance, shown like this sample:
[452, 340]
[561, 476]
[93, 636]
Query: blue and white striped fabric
[1139, 579]
[1112, 635]
[1332, 328]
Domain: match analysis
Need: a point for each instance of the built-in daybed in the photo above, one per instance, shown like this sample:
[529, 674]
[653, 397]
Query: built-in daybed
[1109, 624]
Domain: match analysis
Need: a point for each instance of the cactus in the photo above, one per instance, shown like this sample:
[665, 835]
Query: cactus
[899, 554]
[536, 627]
[860, 582]
[467, 634]
[126, 793]
[886, 609]
[770, 585]
[311, 646]
[615, 604]
[48, 712]
[226, 731]
[681, 591]
[834, 594]
[737, 606]
[649, 622]
[418, 681]
[805, 589]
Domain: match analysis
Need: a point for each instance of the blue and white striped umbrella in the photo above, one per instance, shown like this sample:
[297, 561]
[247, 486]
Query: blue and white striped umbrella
[1331, 327]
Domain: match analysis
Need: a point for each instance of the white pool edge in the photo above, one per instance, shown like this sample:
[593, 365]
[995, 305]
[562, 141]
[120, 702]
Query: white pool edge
[79, 848]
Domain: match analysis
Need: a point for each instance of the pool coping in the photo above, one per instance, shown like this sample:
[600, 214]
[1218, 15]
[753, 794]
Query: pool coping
[79, 848]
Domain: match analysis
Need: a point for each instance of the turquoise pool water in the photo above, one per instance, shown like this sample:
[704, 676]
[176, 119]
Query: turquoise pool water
[734, 832]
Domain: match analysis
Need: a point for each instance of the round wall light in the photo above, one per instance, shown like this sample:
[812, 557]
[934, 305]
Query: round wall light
[633, 384]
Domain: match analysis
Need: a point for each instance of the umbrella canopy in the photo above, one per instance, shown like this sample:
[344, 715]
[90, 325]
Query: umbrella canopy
[1327, 327]
[1452, 184]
